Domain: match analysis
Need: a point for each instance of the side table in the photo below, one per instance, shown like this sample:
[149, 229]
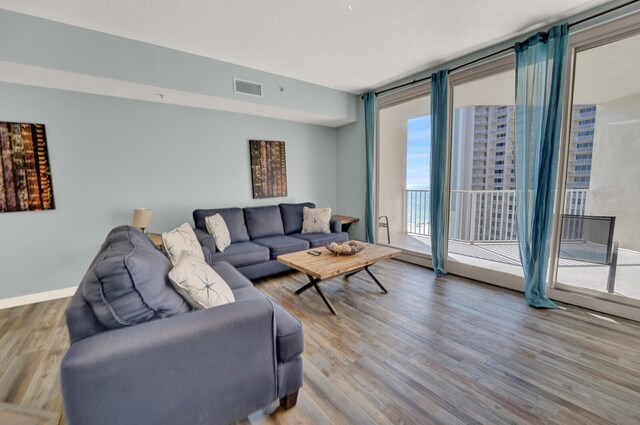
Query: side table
[346, 221]
[156, 239]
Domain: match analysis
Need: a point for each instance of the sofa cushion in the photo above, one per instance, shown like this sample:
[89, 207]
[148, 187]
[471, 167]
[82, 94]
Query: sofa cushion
[292, 216]
[247, 293]
[179, 240]
[219, 230]
[263, 221]
[321, 239]
[316, 220]
[279, 245]
[289, 333]
[81, 321]
[199, 284]
[233, 217]
[242, 254]
[260, 270]
[231, 275]
[128, 282]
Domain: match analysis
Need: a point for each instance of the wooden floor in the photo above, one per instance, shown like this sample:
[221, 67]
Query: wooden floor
[450, 351]
[33, 340]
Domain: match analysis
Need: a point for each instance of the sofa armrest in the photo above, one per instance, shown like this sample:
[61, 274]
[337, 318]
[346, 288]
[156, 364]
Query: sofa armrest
[216, 365]
[206, 240]
[336, 226]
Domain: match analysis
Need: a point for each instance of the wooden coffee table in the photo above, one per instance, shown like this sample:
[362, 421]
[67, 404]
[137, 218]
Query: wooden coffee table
[327, 265]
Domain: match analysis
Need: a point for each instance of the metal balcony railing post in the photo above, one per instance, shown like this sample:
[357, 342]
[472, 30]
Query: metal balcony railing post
[611, 281]
[404, 211]
[472, 236]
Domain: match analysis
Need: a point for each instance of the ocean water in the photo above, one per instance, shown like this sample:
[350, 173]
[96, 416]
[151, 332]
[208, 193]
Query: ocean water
[418, 209]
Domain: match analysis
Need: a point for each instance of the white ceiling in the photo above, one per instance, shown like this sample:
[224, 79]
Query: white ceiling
[318, 41]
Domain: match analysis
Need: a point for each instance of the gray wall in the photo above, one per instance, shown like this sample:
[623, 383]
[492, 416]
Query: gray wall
[110, 155]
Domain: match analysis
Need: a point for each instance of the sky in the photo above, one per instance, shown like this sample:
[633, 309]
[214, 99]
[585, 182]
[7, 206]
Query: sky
[418, 152]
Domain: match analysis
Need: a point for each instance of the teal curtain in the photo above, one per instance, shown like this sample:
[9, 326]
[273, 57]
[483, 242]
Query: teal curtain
[540, 75]
[369, 140]
[437, 206]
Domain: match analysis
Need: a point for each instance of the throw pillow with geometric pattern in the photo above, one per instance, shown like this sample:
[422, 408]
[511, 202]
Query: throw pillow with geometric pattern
[198, 283]
[180, 239]
[316, 220]
[217, 228]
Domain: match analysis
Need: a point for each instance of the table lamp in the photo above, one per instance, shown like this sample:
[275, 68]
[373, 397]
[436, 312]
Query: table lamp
[142, 219]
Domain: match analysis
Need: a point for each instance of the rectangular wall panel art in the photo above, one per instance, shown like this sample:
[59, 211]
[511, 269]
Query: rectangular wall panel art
[25, 172]
[268, 169]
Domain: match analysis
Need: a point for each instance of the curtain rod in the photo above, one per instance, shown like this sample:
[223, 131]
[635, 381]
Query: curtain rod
[506, 49]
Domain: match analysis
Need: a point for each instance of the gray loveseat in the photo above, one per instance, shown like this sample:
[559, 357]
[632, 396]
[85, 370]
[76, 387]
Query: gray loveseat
[260, 234]
[139, 355]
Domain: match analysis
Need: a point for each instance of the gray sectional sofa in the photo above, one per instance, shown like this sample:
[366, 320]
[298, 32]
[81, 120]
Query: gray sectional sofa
[139, 355]
[260, 234]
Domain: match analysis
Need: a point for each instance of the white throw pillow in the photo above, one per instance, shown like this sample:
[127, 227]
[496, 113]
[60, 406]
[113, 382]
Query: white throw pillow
[316, 220]
[217, 228]
[181, 239]
[198, 283]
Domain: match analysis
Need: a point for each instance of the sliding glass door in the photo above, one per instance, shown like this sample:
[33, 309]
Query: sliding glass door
[482, 198]
[404, 146]
[595, 259]
[599, 246]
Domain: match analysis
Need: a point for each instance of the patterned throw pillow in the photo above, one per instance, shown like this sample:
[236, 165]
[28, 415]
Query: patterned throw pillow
[181, 239]
[217, 228]
[198, 283]
[316, 220]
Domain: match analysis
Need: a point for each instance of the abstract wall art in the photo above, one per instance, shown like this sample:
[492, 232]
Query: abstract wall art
[25, 171]
[268, 169]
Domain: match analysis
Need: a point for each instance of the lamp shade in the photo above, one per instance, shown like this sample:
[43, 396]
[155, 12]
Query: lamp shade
[141, 218]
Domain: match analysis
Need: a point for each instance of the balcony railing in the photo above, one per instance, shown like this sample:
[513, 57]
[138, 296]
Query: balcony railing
[478, 215]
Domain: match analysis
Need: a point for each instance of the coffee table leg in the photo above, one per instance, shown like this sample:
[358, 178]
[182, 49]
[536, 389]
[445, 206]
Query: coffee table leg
[376, 280]
[314, 283]
[348, 275]
[326, 301]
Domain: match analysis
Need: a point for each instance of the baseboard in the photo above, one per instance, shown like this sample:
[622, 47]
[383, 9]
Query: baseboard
[37, 297]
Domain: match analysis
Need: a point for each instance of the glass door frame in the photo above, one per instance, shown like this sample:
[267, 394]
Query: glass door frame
[619, 305]
[393, 99]
[616, 29]
[496, 66]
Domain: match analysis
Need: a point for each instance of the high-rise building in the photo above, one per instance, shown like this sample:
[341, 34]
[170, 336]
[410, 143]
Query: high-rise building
[493, 141]
[583, 124]
[483, 166]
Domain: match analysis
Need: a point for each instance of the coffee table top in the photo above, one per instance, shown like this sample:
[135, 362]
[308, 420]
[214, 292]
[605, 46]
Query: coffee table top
[329, 265]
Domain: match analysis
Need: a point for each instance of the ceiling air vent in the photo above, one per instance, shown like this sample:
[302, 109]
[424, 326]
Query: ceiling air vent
[247, 87]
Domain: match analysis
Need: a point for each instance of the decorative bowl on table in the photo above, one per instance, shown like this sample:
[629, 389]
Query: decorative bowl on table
[345, 248]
